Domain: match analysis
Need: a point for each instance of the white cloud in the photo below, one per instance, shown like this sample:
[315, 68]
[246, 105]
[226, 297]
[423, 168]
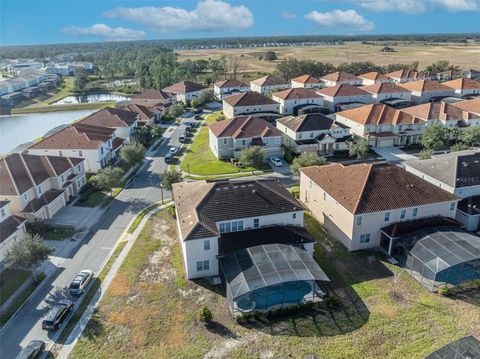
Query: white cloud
[348, 19]
[417, 6]
[209, 15]
[288, 15]
[105, 31]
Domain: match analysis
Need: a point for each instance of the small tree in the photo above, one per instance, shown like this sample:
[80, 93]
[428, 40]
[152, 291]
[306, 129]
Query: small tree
[220, 118]
[195, 103]
[142, 135]
[133, 154]
[107, 178]
[470, 136]
[156, 131]
[81, 80]
[434, 137]
[252, 156]
[425, 154]
[171, 177]
[206, 97]
[359, 147]
[205, 314]
[28, 253]
[459, 146]
[306, 159]
[270, 56]
[176, 110]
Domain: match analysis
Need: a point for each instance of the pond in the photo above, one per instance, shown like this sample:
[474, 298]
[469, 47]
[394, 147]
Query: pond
[16, 130]
[95, 97]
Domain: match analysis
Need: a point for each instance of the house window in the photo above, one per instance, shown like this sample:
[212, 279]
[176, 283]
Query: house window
[206, 265]
[203, 265]
[206, 245]
[365, 238]
[3, 212]
[402, 214]
[243, 142]
[61, 178]
[225, 141]
[80, 153]
[387, 216]
[311, 184]
[101, 150]
[256, 222]
[452, 206]
[60, 153]
[39, 189]
[25, 197]
[359, 220]
[325, 197]
[414, 212]
[294, 215]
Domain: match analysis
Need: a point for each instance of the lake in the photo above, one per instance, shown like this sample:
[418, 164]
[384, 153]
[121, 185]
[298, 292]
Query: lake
[96, 97]
[19, 129]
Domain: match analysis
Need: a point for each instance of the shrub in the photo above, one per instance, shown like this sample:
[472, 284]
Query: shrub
[425, 154]
[171, 211]
[205, 314]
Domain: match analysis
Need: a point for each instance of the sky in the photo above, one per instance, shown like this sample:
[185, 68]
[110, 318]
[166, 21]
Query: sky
[25, 22]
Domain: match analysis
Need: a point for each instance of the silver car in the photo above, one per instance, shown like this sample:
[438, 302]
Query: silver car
[80, 282]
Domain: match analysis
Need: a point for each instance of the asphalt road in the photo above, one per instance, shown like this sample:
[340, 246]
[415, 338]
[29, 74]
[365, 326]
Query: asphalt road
[90, 254]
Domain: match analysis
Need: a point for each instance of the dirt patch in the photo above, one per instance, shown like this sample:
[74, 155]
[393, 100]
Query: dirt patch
[119, 286]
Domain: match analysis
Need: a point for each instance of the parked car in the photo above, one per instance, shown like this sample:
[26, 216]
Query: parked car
[33, 350]
[182, 138]
[173, 150]
[198, 110]
[277, 162]
[80, 282]
[57, 314]
[168, 158]
[198, 117]
[189, 125]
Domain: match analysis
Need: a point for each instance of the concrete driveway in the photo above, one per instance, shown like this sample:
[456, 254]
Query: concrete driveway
[393, 154]
[76, 217]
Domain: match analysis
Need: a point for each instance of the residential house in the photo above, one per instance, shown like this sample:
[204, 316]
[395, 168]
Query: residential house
[341, 78]
[97, 145]
[471, 74]
[471, 109]
[37, 187]
[12, 228]
[313, 132]
[294, 100]
[151, 97]
[402, 76]
[464, 87]
[449, 75]
[344, 93]
[427, 90]
[382, 125]
[307, 82]
[145, 115]
[374, 77]
[123, 122]
[387, 91]
[228, 137]
[248, 103]
[267, 84]
[354, 203]
[186, 90]
[229, 87]
[457, 173]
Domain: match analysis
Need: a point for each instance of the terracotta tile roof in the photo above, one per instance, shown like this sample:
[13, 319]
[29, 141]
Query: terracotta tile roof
[306, 79]
[463, 84]
[184, 87]
[472, 105]
[342, 90]
[307, 122]
[406, 74]
[340, 77]
[367, 188]
[229, 83]
[144, 113]
[379, 114]
[373, 75]
[45, 199]
[249, 99]
[9, 226]
[111, 117]
[385, 87]
[436, 111]
[201, 204]
[270, 81]
[77, 136]
[244, 127]
[20, 172]
[151, 94]
[425, 86]
[117, 142]
[296, 94]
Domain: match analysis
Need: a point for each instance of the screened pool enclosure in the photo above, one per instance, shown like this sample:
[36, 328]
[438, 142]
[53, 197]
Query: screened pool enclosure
[271, 276]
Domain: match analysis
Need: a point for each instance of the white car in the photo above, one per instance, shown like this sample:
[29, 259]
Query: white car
[173, 150]
[80, 282]
[277, 162]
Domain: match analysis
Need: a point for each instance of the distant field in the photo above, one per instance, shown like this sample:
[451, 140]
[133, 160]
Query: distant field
[463, 56]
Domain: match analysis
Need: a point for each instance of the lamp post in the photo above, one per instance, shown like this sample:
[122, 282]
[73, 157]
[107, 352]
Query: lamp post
[161, 190]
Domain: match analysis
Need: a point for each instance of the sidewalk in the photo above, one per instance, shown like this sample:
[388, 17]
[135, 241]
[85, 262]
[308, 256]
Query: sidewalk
[82, 323]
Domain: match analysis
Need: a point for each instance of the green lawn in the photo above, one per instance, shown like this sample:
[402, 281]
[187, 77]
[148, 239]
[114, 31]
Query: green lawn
[199, 159]
[10, 281]
[93, 200]
[150, 311]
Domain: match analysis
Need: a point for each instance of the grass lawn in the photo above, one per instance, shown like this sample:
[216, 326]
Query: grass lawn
[150, 311]
[67, 107]
[10, 281]
[199, 159]
[93, 200]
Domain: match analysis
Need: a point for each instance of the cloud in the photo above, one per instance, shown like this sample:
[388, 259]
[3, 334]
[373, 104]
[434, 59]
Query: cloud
[288, 15]
[209, 15]
[417, 6]
[105, 31]
[348, 19]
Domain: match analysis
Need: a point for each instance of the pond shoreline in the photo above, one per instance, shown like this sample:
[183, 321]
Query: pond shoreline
[62, 108]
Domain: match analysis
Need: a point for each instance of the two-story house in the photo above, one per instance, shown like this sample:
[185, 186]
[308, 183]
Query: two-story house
[373, 77]
[228, 137]
[386, 91]
[184, 91]
[307, 82]
[97, 145]
[123, 122]
[267, 84]
[464, 87]
[402, 76]
[12, 228]
[313, 132]
[152, 97]
[457, 173]
[355, 202]
[341, 78]
[229, 87]
[427, 90]
[37, 187]
[146, 116]
[344, 93]
[295, 99]
[249, 103]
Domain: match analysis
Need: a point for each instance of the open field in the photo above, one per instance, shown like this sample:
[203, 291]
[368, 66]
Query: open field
[149, 311]
[463, 56]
